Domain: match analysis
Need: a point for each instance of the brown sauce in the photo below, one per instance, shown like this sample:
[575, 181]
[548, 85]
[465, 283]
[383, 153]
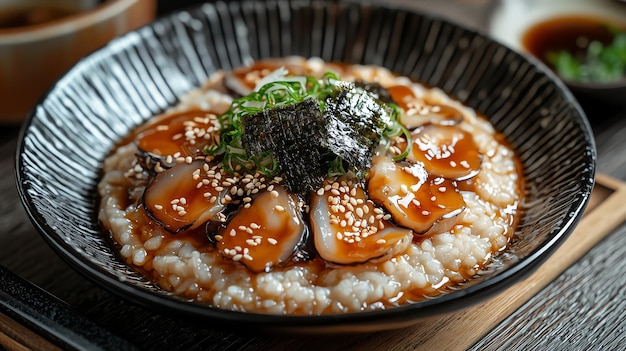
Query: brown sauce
[569, 33]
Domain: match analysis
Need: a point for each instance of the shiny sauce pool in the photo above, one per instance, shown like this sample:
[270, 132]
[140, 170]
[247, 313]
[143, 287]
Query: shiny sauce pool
[569, 33]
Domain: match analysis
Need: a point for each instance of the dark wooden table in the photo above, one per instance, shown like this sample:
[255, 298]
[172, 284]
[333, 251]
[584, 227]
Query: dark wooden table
[41, 297]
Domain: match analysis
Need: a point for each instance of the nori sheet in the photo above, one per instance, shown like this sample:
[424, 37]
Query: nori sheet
[356, 124]
[303, 139]
[292, 134]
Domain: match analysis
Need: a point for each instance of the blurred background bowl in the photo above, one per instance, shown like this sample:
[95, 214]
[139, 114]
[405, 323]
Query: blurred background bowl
[41, 39]
[512, 22]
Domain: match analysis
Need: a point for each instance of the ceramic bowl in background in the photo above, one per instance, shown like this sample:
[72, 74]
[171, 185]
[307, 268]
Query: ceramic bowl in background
[103, 98]
[41, 39]
[512, 20]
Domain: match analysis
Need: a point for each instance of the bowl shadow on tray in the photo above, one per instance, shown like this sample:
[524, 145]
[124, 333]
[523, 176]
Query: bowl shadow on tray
[98, 102]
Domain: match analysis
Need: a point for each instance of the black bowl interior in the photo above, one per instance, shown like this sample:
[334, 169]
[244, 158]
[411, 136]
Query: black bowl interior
[96, 104]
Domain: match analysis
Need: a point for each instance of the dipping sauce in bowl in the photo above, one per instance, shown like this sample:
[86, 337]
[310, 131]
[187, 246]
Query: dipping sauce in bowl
[580, 48]
[574, 38]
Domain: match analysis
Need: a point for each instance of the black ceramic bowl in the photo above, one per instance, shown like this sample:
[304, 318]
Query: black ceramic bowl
[98, 102]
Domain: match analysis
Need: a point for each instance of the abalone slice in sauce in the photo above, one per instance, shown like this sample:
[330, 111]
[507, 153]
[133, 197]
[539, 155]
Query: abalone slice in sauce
[179, 134]
[266, 233]
[414, 198]
[244, 80]
[348, 228]
[418, 112]
[446, 151]
[185, 196]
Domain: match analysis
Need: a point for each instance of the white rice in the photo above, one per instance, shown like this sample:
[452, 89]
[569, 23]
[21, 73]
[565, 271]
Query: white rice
[193, 268]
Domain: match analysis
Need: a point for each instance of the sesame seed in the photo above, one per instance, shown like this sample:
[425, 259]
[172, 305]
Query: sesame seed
[425, 213]
[320, 191]
[158, 207]
[279, 208]
[274, 193]
[237, 257]
[442, 189]
[272, 241]
[404, 188]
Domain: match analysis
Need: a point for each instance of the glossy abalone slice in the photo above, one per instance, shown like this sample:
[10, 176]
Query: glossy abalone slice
[414, 198]
[265, 233]
[348, 228]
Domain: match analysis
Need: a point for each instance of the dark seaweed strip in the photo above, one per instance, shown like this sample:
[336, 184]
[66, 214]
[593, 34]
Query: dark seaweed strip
[356, 121]
[292, 134]
[379, 91]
